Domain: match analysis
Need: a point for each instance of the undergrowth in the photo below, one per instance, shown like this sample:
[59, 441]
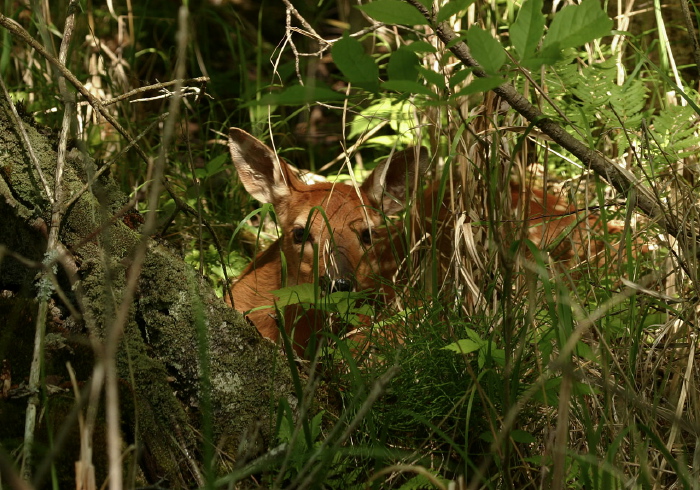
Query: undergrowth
[504, 365]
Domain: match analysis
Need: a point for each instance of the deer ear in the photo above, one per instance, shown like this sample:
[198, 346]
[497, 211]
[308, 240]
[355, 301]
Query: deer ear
[389, 185]
[263, 174]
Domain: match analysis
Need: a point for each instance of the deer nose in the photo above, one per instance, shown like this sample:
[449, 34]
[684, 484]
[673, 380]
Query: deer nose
[344, 285]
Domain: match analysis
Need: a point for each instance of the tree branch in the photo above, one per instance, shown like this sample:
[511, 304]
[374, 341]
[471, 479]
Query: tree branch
[620, 178]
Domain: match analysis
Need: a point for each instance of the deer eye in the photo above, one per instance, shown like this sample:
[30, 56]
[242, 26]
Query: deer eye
[366, 236]
[299, 233]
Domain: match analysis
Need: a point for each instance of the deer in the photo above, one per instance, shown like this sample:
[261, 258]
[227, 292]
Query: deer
[336, 235]
[333, 233]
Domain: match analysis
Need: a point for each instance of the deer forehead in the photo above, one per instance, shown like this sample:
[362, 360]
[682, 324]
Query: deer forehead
[341, 204]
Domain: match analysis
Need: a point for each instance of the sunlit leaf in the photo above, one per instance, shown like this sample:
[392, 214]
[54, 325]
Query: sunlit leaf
[526, 32]
[421, 47]
[464, 346]
[487, 51]
[576, 25]
[480, 85]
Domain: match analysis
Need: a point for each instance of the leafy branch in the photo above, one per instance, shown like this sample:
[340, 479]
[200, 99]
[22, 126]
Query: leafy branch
[620, 178]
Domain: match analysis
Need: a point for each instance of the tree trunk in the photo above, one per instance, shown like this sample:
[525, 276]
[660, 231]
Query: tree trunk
[159, 360]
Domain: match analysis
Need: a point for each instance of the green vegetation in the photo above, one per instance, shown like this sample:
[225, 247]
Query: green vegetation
[505, 366]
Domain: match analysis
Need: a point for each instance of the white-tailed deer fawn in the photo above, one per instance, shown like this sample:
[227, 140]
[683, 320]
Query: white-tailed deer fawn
[336, 233]
[330, 231]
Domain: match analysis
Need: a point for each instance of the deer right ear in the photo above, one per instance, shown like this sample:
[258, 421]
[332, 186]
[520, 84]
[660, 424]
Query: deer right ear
[262, 173]
[391, 183]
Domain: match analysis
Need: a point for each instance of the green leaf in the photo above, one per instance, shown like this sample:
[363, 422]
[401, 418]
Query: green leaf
[576, 25]
[487, 436]
[522, 436]
[549, 394]
[403, 65]
[547, 56]
[292, 295]
[432, 77]
[487, 51]
[299, 94]
[357, 66]
[421, 47]
[527, 30]
[394, 12]
[453, 7]
[406, 86]
[464, 346]
[498, 356]
[215, 165]
[459, 77]
[370, 117]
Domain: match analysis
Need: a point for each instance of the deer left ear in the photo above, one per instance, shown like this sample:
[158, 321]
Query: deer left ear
[264, 176]
[390, 184]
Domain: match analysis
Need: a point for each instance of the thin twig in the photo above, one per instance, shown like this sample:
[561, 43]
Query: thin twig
[147, 88]
[692, 33]
[34, 383]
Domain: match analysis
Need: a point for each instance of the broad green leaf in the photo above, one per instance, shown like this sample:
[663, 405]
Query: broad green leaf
[522, 437]
[576, 25]
[299, 94]
[486, 436]
[453, 7]
[357, 66]
[547, 56]
[487, 51]
[292, 295]
[432, 77]
[584, 350]
[393, 12]
[583, 389]
[464, 346]
[403, 65]
[370, 117]
[421, 47]
[526, 32]
[406, 86]
[498, 356]
[459, 77]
